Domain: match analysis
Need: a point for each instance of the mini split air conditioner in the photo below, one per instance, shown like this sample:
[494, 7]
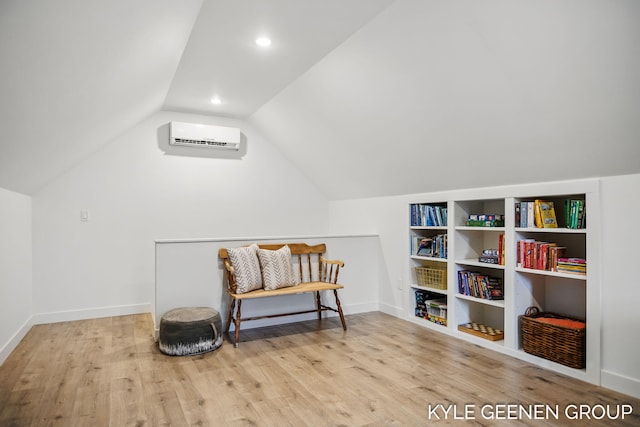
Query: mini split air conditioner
[195, 135]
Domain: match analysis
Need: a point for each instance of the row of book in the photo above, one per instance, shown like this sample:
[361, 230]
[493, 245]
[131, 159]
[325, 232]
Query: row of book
[478, 285]
[575, 213]
[428, 215]
[542, 214]
[433, 247]
[547, 256]
[536, 214]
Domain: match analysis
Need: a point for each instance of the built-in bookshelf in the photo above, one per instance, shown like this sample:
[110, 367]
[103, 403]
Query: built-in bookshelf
[429, 251]
[489, 279]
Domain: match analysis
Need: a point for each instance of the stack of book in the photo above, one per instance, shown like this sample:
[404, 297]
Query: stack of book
[572, 265]
[485, 220]
[475, 284]
[428, 215]
[489, 256]
[494, 256]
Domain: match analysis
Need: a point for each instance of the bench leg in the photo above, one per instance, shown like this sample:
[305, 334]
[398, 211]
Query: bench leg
[237, 332]
[318, 305]
[232, 305]
[339, 307]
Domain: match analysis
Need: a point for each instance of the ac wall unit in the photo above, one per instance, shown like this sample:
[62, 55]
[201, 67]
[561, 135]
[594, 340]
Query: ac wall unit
[196, 135]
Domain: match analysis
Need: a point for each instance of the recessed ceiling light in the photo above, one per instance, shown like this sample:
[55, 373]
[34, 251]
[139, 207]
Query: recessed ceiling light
[215, 100]
[263, 41]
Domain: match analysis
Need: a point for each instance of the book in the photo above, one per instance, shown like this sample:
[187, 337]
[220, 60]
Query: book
[537, 213]
[530, 215]
[547, 214]
[425, 248]
[555, 253]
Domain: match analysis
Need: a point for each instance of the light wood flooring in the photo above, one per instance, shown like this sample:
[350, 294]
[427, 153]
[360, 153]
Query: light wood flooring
[383, 371]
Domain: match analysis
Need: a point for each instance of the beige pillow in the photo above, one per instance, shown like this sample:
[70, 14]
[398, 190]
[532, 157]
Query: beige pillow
[277, 268]
[247, 267]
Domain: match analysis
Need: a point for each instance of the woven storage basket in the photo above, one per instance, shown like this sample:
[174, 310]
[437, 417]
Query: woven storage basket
[432, 277]
[556, 343]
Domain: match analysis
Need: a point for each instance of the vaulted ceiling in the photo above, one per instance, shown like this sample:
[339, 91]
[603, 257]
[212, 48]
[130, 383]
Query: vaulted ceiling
[367, 97]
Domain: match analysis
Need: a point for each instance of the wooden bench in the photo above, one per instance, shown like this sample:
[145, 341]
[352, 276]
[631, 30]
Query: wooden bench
[304, 256]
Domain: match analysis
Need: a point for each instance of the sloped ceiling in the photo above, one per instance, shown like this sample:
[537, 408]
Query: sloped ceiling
[437, 95]
[75, 73]
[222, 59]
[367, 97]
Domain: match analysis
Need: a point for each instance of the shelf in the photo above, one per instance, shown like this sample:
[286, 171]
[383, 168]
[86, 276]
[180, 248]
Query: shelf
[551, 230]
[475, 263]
[428, 323]
[494, 303]
[429, 227]
[427, 258]
[468, 228]
[427, 288]
[574, 276]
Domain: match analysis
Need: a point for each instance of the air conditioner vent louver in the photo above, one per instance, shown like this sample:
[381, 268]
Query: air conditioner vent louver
[196, 135]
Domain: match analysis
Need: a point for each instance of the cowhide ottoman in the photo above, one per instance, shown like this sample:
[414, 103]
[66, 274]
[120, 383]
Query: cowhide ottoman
[190, 330]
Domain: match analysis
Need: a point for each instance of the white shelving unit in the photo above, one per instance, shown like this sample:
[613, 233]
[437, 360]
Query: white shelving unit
[574, 295]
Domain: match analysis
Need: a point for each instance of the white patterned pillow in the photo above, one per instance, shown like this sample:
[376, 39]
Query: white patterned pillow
[277, 268]
[247, 268]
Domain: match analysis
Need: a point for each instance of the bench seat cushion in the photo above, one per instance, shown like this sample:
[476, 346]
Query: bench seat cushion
[298, 289]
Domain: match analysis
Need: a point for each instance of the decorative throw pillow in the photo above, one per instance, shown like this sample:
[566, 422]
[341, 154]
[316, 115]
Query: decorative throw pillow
[247, 267]
[277, 268]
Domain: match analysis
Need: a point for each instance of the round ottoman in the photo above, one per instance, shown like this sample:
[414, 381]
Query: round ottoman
[190, 330]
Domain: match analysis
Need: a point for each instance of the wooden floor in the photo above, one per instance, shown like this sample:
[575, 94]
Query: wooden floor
[382, 372]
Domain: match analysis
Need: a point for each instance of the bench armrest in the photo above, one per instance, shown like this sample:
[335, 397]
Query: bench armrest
[329, 269]
[231, 276]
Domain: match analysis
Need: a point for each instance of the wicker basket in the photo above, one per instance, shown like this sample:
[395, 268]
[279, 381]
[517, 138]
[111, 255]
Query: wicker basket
[431, 277]
[556, 343]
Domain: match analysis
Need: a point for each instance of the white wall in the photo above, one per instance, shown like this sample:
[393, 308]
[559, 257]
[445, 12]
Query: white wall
[15, 269]
[385, 217]
[388, 217]
[138, 189]
[620, 284]
[184, 277]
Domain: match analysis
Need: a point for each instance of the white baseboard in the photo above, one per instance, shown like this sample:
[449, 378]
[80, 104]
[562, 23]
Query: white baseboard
[90, 313]
[392, 310]
[620, 383]
[13, 342]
